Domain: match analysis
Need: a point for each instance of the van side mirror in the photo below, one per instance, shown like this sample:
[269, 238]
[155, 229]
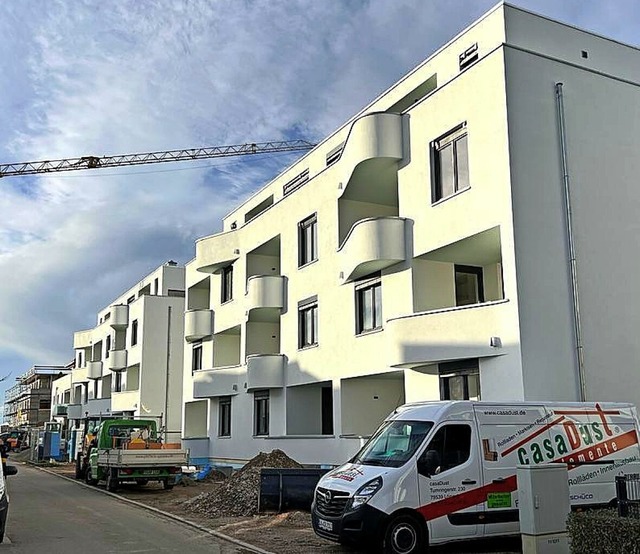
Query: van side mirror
[429, 463]
[10, 470]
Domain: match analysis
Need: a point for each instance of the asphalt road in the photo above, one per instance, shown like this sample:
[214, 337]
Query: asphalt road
[50, 515]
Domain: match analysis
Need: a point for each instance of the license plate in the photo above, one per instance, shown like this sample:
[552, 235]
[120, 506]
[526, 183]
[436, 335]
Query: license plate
[153, 472]
[325, 525]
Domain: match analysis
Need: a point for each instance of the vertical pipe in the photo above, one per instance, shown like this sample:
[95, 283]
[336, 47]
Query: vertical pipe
[166, 382]
[571, 244]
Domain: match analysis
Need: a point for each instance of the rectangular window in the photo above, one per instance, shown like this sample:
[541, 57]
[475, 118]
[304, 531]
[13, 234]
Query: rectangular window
[334, 155]
[469, 285]
[95, 388]
[368, 305]
[117, 381]
[196, 357]
[134, 332]
[308, 322]
[450, 159]
[307, 240]
[296, 182]
[155, 286]
[460, 380]
[224, 416]
[261, 412]
[107, 346]
[227, 284]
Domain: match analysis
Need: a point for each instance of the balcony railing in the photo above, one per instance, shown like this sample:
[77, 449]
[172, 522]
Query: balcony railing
[372, 137]
[119, 318]
[216, 251]
[198, 324]
[266, 291]
[373, 244]
[265, 371]
[94, 370]
[117, 360]
[448, 334]
[221, 381]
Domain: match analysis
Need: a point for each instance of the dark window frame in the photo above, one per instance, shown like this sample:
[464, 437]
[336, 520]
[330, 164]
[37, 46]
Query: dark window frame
[224, 416]
[308, 240]
[116, 383]
[451, 139]
[308, 337]
[261, 413]
[134, 332]
[107, 346]
[478, 272]
[226, 287]
[463, 369]
[196, 356]
[361, 288]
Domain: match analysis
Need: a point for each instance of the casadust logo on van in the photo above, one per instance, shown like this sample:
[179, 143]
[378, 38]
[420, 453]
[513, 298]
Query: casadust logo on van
[570, 441]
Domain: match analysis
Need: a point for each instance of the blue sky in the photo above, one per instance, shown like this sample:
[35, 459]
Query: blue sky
[84, 77]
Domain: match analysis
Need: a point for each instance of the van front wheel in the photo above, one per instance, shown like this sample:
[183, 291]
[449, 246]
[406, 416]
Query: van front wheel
[404, 535]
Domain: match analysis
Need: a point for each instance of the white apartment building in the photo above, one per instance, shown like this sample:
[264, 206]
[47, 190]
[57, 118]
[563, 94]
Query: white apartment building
[130, 363]
[424, 251]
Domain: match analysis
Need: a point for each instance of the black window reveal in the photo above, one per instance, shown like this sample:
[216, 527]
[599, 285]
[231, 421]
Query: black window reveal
[450, 159]
[224, 416]
[134, 332]
[469, 285]
[307, 240]
[308, 322]
[368, 305]
[196, 356]
[227, 284]
[261, 412]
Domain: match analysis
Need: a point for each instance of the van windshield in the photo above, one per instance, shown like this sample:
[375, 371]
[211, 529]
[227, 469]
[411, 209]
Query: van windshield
[393, 444]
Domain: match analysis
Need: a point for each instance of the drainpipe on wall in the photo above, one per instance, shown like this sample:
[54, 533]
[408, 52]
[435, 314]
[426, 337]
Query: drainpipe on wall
[571, 244]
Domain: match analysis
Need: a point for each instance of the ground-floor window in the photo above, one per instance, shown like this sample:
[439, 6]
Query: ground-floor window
[460, 380]
[224, 416]
[261, 412]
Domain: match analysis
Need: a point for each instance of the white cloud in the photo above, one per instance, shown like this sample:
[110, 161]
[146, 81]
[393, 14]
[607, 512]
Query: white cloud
[90, 77]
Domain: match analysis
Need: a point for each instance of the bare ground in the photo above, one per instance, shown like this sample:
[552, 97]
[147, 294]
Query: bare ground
[287, 533]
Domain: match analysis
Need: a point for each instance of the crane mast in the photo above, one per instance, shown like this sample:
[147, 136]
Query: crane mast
[95, 162]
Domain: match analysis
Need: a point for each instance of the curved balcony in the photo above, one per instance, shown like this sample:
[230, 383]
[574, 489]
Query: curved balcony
[216, 251]
[94, 370]
[447, 334]
[119, 318]
[266, 292]
[79, 375]
[222, 381]
[117, 360]
[82, 339]
[265, 371]
[375, 136]
[373, 244]
[198, 325]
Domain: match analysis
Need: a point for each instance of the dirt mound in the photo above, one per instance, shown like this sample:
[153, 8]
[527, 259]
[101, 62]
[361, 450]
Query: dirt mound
[238, 496]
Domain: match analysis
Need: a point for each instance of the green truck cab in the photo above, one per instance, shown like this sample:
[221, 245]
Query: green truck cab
[130, 451]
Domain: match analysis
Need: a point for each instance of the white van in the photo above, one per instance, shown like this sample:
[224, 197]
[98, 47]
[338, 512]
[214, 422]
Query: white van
[436, 472]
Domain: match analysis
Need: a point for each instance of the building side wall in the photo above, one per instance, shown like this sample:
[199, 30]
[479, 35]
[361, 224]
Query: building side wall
[602, 146]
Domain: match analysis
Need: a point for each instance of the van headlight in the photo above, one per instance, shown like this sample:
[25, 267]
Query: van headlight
[365, 493]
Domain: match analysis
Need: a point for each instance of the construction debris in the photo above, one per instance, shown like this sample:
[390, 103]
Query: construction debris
[238, 495]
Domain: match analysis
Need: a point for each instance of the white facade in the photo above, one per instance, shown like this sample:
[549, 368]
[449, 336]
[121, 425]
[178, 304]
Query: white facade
[420, 252]
[130, 363]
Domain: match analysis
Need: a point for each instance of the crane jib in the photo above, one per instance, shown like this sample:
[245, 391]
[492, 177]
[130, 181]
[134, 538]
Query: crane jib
[95, 162]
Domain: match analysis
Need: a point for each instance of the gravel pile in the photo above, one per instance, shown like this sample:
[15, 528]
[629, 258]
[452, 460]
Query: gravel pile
[238, 495]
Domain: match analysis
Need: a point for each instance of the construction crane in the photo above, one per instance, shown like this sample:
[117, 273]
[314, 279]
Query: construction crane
[95, 162]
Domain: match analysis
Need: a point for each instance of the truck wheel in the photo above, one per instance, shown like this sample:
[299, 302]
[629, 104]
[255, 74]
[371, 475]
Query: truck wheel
[167, 485]
[112, 482]
[88, 479]
[404, 535]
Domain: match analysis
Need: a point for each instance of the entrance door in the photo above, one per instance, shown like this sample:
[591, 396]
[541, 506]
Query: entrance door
[448, 473]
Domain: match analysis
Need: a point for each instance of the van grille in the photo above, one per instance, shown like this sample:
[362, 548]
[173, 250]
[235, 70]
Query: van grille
[335, 506]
